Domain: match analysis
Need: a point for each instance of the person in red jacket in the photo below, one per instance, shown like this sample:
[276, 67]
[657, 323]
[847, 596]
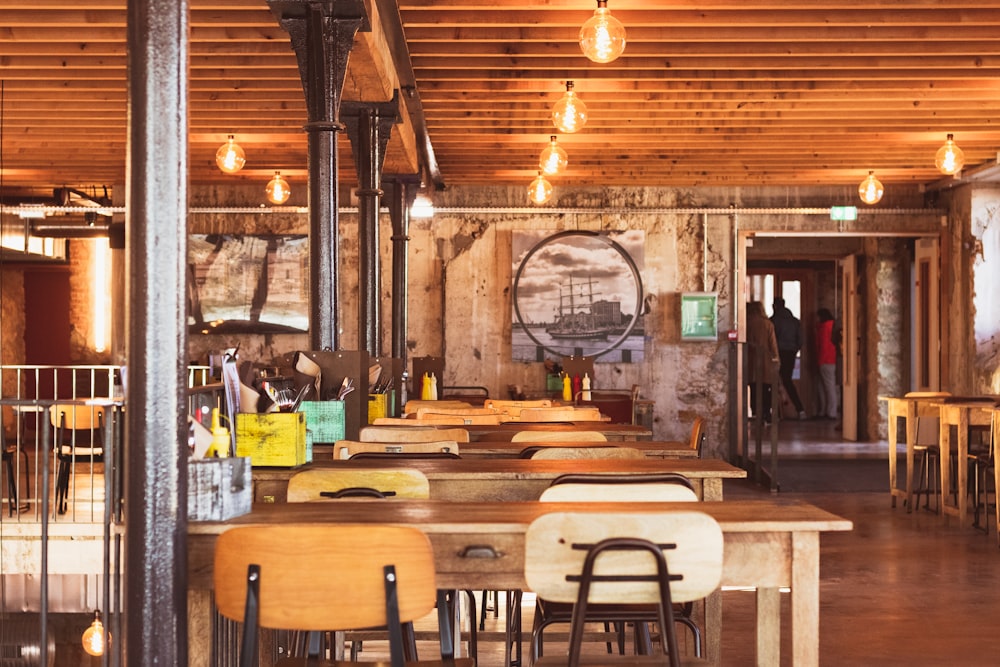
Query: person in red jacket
[826, 357]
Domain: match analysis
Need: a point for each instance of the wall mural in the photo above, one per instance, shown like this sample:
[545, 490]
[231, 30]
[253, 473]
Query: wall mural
[577, 293]
[248, 284]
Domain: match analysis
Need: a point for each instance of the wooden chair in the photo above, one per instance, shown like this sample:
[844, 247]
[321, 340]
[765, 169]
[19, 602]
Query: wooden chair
[583, 487]
[79, 438]
[697, 439]
[619, 558]
[412, 434]
[560, 414]
[547, 453]
[310, 485]
[8, 464]
[330, 578]
[558, 436]
[345, 449]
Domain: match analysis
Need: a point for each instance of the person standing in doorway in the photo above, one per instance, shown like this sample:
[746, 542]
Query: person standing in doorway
[762, 357]
[788, 332]
[826, 357]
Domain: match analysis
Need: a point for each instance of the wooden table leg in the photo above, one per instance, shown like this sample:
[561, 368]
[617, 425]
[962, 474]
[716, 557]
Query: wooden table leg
[713, 627]
[805, 599]
[768, 635]
[893, 428]
[911, 440]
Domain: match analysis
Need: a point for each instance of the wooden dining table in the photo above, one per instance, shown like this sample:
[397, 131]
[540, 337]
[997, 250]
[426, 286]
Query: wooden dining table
[499, 449]
[479, 480]
[768, 545]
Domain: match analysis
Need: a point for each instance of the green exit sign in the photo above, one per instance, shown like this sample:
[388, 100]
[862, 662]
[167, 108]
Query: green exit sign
[843, 212]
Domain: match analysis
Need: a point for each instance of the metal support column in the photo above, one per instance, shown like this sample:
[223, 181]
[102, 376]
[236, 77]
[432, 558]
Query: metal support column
[155, 609]
[322, 35]
[369, 126]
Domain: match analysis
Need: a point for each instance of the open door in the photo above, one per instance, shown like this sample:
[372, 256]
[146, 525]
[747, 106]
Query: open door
[850, 346]
[926, 357]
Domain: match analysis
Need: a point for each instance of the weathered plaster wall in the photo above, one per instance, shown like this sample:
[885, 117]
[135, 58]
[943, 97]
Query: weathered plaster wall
[460, 272]
[985, 311]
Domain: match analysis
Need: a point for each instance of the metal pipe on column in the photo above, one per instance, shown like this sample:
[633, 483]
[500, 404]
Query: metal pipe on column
[155, 618]
[369, 203]
[369, 126]
[322, 35]
[401, 199]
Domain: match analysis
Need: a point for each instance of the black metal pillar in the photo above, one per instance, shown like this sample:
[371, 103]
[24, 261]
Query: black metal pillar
[401, 195]
[369, 126]
[322, 35]
[155, 609]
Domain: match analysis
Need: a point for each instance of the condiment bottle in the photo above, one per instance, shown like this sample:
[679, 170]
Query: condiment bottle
[586, 387]
[220, 437]
[567, 389]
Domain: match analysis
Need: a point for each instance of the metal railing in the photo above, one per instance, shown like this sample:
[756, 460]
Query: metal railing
[52, 530]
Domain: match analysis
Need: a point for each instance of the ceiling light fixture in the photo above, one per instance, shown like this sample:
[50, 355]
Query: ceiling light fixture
[230, 157]
[553, 159]
[422, 207]
[277, 189]
[949, 158]
[540, 190]
[94, 642]
[871, 189]
[602, 36]
[570, 113]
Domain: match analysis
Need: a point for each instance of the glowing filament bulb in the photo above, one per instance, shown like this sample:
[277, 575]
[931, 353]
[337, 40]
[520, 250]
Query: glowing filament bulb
[570, 113]
[230, 157]
[540, 190]
[553, 159]
[602, 36]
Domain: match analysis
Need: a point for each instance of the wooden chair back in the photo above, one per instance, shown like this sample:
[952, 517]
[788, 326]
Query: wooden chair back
[458, 420]
[697, 435]
[345, 449]
[412, 434]
[78, 426]
[513, 408]
[415, 404]
[558, 436]
[320, 578]
[551, 556]
[607, 452]
[581, 487]
[560, 414]
[433, 411]
[310, 485]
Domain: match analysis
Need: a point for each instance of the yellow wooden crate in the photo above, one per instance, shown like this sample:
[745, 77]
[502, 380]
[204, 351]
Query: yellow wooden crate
[378, 407]
[272, 439]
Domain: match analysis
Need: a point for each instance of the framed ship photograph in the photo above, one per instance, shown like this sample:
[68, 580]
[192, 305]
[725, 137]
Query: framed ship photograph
[577, 293]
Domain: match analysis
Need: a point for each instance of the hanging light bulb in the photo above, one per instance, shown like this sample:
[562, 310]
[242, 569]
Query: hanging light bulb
[949, 158]
[602, 36]
[870, 189]
[93, 636]
[230, 157]
[553, 159]
[570, 113]
[277, 189]
[540, 190]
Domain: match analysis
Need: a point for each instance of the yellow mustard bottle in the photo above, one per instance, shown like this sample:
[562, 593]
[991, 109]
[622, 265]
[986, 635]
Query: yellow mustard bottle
[220, 437]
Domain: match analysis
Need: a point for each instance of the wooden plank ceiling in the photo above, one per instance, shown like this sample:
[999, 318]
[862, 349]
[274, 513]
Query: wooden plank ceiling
[713, 92]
